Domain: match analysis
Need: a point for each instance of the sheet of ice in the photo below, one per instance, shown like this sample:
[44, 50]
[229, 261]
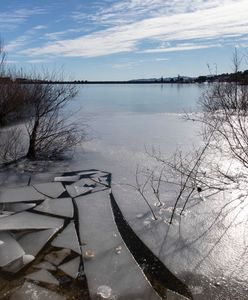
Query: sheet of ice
[21, 194]
[28, 220]
[10, 250]
[71, 267]
[16, 207]
[34, 242]
[56, 257]
[31, 291]
[45, 265]
[43, 276]
[50, 189]
[75, 191]
[61, 207]
[18, 264]
[67, 178]
[108, 266]
[68, 239]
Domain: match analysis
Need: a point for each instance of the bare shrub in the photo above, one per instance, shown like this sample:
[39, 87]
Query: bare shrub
[50, 132]
[201, 173]
[12, 145]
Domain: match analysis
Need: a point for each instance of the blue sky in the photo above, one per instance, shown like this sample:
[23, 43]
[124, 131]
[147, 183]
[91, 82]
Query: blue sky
[124, 39]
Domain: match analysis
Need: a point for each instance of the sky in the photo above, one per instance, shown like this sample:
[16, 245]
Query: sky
[124, 39]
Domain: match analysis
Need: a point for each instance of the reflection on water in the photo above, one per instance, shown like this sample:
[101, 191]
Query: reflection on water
[139, 98]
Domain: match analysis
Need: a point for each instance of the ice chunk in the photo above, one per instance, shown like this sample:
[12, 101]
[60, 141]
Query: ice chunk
[50, 189]
[67, 178]
[61, 207]
[68, 239]
[45, 265]
[16, 207]
[71, 268]
[18, 264]
[97, 225]
[75, 191]
[10, 250]
[33, 242]
[56, 257]
[27, 220]
[43, 276]
[31, 291]
[21, 194]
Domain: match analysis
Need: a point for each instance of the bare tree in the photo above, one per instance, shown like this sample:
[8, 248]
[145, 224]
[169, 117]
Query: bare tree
[50, 132]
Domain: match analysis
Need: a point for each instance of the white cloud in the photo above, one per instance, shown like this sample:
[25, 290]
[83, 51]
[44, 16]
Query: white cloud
[161, 59]
[23, 39]
[181, 47]
[11, 19]
[189, 20]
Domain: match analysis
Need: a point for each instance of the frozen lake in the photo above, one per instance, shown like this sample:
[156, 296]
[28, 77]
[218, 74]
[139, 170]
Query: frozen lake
[123, 120]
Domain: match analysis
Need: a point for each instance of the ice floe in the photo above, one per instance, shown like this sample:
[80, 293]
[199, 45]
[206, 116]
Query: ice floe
[28, 220]
[43, 276]
[68, 239]
[10, 250]
[50, 189]
[34, 242]
[61, 207]
[21, 194]
[71, 267]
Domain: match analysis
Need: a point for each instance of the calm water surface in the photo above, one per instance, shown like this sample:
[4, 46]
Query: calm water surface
[140, 98]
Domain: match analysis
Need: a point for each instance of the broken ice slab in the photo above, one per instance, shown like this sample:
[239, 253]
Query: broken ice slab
[75, 191]
[28, 220]
[10, 250]
[109, 266]
[18, 264]
[43, 276]
[56, 257]
[61, 207]
[87, 173]
[68, 239]
[31, 291]
[33, 242]
[71, 267]
[21, 194]
[16, 207]
[45, 265]
[67, 178]
[50, 189]
[84, 182]
[100, 174]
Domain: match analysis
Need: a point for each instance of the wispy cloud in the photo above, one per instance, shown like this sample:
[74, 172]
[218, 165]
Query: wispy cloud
[24, 39]
[178, 22]
[181, 47]
[13, 18]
